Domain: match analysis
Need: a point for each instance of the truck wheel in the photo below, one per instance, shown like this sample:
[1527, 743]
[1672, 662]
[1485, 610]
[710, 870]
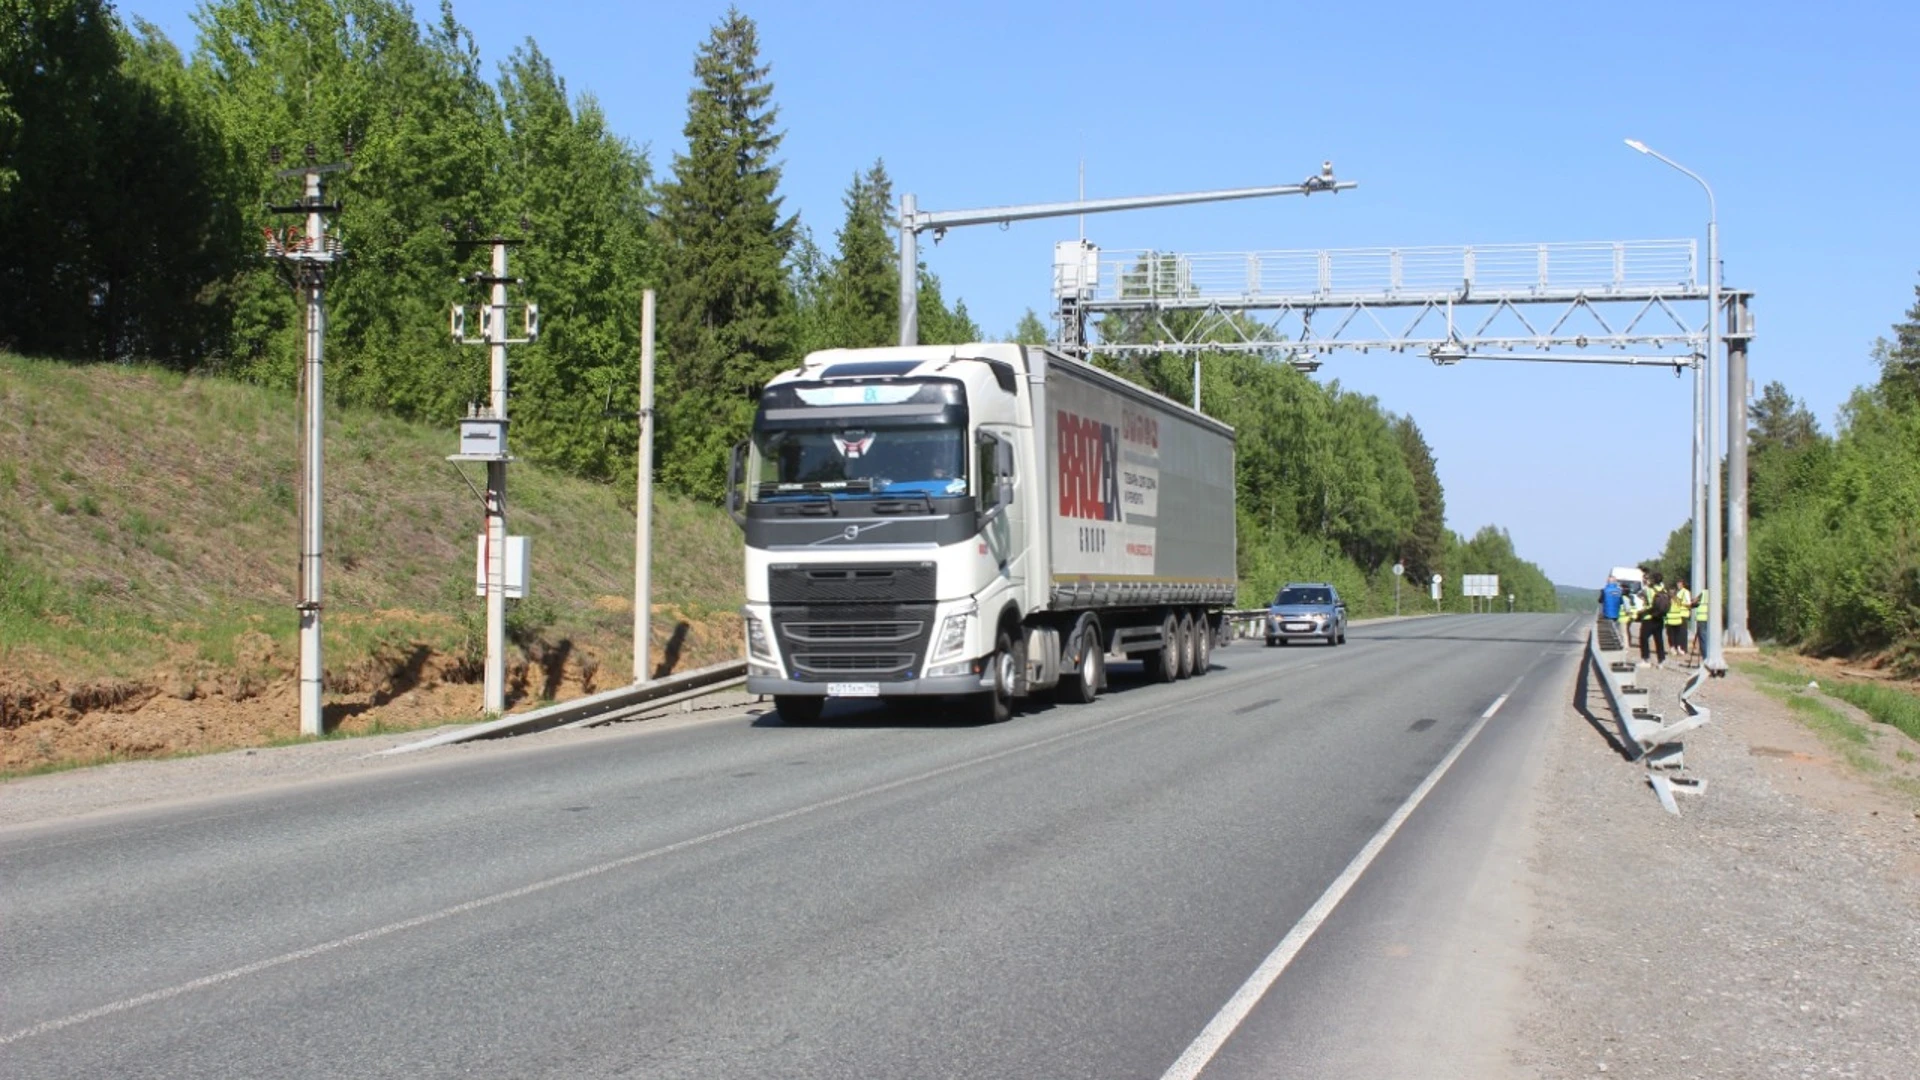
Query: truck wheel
[996, 705]
[1081, 687]
[798, 710]
[1163, 664]
[1202, 646]
[1187, 647]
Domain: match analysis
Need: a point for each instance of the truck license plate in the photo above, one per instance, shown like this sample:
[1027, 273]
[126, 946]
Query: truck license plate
[853, 689]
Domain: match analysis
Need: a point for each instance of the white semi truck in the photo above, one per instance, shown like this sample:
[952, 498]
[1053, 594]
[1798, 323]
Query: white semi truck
[983, 521]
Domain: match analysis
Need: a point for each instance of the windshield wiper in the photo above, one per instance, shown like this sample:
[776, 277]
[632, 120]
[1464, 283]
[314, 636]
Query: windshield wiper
[883, 508]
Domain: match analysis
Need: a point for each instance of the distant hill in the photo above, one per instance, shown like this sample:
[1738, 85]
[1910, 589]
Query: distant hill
[148, 548]
[1577, 597]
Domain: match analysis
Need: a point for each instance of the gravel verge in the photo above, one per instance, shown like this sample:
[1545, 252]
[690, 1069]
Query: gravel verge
[1769, 931]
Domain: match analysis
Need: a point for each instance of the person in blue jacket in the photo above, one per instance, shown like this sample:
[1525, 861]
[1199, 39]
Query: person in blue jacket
[1610, 598]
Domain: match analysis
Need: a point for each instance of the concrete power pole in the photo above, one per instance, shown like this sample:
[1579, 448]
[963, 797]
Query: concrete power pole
[483, 437]
[309, 253]
[643, 500]
[1739, 332]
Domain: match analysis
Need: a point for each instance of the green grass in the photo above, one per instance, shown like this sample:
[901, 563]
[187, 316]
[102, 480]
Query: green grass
[1894, 707]
[1888, 705]
[149, 522]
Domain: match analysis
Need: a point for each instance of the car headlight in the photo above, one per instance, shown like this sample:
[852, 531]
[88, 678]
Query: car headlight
[759, 644]
[953, 636]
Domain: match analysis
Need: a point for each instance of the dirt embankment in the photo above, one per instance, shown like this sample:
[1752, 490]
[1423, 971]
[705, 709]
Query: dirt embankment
[47, 719]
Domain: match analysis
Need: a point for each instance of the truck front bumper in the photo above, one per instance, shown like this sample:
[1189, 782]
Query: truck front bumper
[945, 686]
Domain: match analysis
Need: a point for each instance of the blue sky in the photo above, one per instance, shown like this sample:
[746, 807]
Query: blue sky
[1487, 123]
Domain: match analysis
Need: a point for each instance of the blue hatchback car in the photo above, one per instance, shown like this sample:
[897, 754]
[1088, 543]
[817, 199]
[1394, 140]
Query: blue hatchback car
[1307, 611]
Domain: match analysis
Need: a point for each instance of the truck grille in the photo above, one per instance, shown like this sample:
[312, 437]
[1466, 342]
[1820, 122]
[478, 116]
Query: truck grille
[882, 642]
[899, 583]
[879, 664]
[853, 631]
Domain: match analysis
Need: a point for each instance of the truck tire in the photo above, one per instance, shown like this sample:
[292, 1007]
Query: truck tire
[1163, 664]
[1187, 646]
[1202, 646]
[1083, 685]
[798, 710]
[996, 705]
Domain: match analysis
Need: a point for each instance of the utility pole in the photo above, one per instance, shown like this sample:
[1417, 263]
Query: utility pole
[308, 253]
[914, 221]
[643, 500]
[483, 437]
[1739, 332]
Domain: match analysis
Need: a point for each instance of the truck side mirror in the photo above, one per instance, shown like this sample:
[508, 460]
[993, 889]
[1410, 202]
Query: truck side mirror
[736, 471]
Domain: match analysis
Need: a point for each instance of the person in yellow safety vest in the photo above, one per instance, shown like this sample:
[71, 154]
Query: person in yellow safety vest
[1678, 614]
[1701, 612]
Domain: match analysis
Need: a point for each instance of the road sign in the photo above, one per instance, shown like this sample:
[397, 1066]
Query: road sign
[1436, 579]
[1480, 585]
[1398, 569]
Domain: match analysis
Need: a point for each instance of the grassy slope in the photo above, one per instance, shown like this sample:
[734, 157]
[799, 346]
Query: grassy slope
[148, 525]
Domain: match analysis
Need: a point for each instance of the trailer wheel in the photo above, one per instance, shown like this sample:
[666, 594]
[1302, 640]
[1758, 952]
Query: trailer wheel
[798, 710]
[1187, 646]
[996, 705]
[1081, 687]
[1202, 646]
[1163, 664]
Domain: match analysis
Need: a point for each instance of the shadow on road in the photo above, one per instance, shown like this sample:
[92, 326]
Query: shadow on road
[932, 713]
[1585, 694]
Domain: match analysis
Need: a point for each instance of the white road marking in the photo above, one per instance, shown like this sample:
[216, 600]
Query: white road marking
[1211, 1038]
[202, 983]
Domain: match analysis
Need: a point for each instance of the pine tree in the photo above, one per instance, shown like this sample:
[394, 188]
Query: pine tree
[863, 287]
[1423, 547]
[726, 313]
[1900, 361]
[1030, 331]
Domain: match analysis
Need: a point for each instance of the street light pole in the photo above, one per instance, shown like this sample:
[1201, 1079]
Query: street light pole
[1707, 457]
[914, 221]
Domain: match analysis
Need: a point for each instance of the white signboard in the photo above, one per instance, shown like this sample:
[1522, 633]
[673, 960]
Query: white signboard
[515, 569]
[1108, 454]
[1480, 585]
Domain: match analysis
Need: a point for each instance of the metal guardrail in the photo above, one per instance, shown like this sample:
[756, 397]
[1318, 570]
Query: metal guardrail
[1645, 735]
[601, 708]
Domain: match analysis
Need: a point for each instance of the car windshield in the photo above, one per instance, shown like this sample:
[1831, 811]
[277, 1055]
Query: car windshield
[1294, 596]
[874, 459]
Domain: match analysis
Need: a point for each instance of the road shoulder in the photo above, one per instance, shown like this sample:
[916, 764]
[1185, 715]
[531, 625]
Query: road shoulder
[1770, 930]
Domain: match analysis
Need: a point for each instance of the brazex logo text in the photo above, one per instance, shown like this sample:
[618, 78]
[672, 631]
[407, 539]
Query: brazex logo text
[1089, 481]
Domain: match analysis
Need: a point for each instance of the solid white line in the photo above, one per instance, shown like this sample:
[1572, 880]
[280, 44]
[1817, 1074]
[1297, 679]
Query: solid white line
[1208, 1043]
[389, 929]
[1495, 707]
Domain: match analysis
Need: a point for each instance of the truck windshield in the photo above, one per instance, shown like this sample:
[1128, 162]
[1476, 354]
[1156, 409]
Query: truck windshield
[875, 460]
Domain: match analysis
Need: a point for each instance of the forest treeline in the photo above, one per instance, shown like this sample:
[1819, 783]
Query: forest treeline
[135, 179]
[1834, 536]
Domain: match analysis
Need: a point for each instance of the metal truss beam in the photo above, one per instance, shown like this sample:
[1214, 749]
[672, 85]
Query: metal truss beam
[1597, 300]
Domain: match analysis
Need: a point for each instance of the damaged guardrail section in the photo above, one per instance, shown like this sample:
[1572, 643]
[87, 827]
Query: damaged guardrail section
[1646, 735]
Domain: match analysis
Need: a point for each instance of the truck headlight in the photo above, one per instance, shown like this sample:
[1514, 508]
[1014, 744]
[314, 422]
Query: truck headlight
[953, 636]
[759, 645]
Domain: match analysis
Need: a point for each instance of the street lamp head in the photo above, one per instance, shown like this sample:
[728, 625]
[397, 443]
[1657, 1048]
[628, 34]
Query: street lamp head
[1638, 145]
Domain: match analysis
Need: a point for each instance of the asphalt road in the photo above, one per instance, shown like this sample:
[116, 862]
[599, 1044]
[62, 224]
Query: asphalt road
[1117, 890]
